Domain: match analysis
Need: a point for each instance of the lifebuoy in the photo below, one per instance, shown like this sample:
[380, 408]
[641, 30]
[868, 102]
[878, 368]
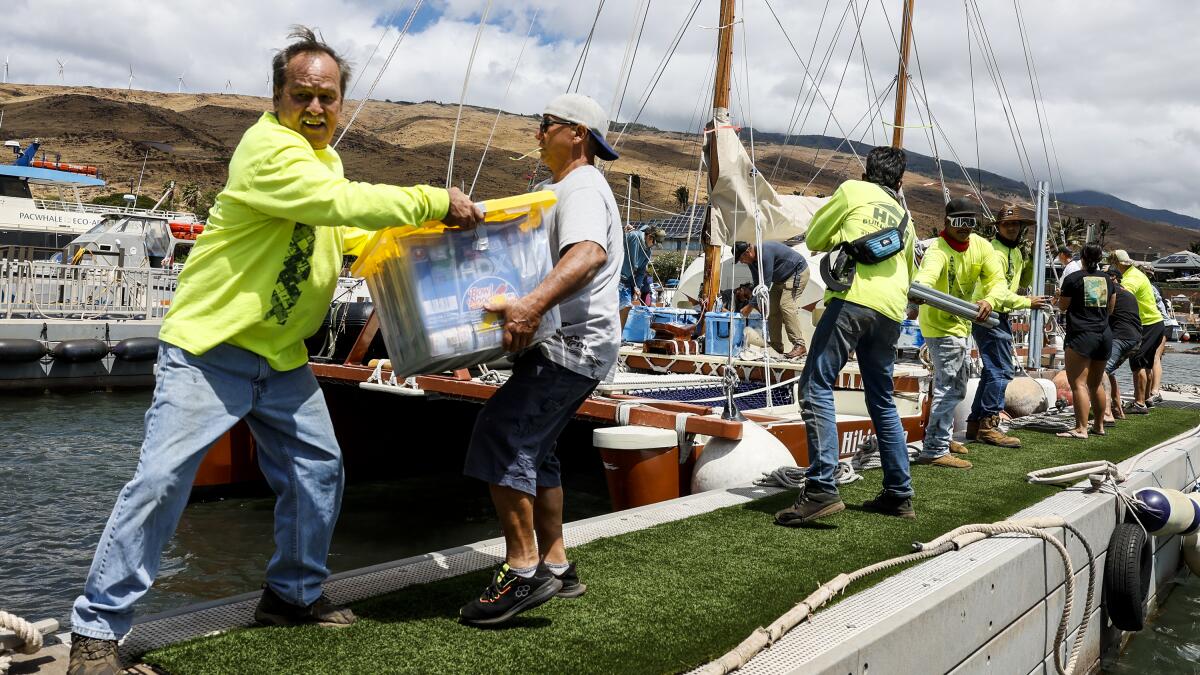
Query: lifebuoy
[136, 349]
[1128, 566]
[186, 230]
[79, 351]
[20, 350]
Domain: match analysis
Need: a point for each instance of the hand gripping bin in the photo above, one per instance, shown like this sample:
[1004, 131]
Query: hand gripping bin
[430, 284]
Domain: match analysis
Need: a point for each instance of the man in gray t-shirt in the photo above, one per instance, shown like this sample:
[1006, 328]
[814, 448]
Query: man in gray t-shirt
[512, 446]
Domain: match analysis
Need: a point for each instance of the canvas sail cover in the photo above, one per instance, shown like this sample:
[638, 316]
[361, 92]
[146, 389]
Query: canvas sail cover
[732, 197]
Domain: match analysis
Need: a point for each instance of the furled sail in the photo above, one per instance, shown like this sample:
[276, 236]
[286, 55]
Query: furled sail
[737, 185]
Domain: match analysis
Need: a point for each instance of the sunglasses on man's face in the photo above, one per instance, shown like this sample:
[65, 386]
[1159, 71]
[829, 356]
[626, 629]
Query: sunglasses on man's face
[963, 221]
[549, 121]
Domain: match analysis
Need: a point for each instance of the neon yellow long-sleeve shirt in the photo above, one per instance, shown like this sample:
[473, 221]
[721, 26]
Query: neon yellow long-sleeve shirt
[1016, 274]
[262, 274]
[1136, 282]
[858, 208]
[949, 271]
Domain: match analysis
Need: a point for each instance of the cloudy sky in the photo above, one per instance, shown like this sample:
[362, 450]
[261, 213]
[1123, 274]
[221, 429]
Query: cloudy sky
[1120, 86]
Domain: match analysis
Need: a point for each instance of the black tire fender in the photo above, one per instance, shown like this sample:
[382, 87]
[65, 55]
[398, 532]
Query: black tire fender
[80, 351]
[20, 350]
[1128, 567]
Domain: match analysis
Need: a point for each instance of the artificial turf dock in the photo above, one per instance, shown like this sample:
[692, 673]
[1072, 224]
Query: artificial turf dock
[670, 597]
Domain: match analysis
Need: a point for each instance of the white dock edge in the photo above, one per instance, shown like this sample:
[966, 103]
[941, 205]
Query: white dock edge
[993, 607]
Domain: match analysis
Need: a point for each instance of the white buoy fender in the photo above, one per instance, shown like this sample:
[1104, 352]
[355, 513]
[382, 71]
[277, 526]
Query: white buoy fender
[725, 463]
[1191, 552]
[1165, 512]
[1028, 396]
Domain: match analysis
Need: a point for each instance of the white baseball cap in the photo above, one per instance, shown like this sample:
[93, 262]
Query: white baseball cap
[581, 109]
[1122, 257]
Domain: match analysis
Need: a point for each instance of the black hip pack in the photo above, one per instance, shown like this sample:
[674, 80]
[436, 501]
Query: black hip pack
[838, 267]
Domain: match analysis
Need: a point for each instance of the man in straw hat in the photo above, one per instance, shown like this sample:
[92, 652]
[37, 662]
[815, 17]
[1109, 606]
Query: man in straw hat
[995, 344]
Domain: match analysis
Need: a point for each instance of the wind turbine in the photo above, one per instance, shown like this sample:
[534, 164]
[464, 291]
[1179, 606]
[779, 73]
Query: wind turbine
[179, 90]
[6, 69]
[62, 65]
[228, 85]
[130, 86]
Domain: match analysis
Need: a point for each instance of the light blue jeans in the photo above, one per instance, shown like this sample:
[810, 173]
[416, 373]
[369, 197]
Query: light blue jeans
[949, 357]
[845, 327]
[196, 400]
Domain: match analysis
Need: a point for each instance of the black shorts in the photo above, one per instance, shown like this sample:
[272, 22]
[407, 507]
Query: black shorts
[1091, 345]
[1152, 337]
[515, 433]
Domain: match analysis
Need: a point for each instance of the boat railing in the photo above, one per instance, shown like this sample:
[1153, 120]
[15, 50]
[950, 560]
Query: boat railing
[78, 207]
[47, 290]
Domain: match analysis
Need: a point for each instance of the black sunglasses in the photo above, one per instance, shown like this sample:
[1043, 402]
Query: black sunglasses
[549, 121]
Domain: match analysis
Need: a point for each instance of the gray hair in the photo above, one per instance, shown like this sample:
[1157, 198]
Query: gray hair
[306, 42]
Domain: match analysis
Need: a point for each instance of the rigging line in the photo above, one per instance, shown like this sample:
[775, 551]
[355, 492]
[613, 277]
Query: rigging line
[387, 25]
[382, 69]
[1033, 93]
[809, 75]
[500, 108]
[865, 116]
[999, 77]
[868, 75]
[462, 99]
[692, 215]
[841, 81]
[932, 136]
[826, 61]
[974, 112]
[1049, 129]
[582, 60]
[800, 92]
[992, 67]
[949, 145]
[658, 73]
[631, 49]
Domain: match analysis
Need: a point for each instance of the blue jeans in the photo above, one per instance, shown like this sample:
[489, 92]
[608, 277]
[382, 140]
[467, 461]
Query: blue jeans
[995, 349]
[949, 357]
[196, 400]
[846, 327]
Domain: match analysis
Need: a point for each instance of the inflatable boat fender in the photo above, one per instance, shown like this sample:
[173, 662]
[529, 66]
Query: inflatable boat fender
[1128, 567]
[1166, 512]
[136, 349]
[20, 350]
[80, 351]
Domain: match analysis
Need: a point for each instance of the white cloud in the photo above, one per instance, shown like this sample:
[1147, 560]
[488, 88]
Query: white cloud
[1119, 82]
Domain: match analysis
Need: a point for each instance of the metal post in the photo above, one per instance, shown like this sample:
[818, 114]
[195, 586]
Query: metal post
[1038, 260]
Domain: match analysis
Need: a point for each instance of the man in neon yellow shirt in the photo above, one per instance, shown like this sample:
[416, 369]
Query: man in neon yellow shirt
[864, 319]
[1154, 330]
[257, 283]
[956, 262]
[995, 344]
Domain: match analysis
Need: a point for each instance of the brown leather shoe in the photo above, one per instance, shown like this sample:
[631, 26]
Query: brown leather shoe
[972, 429]
[796, 353]
[958, 448]
[947, 461]
[989, 432]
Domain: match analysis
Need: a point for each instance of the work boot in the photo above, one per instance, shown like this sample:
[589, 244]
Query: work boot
[972, 430]
[273, 610]
[890, 505]
[797, 353]
[989, 432]
[947, 461]
[958, 448]
[809, 506]
[93, 656]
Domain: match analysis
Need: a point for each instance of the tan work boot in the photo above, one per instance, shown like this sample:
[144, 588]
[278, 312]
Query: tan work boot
[972, 430]
[947, 461]
[958, 448]
[989, 432]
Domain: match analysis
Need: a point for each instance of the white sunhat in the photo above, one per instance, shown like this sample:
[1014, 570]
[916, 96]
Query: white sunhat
[583, 110]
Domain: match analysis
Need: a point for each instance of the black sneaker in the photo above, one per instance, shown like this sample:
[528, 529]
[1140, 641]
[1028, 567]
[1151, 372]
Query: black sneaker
[809, 506]
[508, 595]
[273, 610]
[890, 505]
[571, 588]
[93, 656]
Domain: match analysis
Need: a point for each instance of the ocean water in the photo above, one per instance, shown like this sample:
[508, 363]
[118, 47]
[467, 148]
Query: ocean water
[1170, 642]
[63, 460]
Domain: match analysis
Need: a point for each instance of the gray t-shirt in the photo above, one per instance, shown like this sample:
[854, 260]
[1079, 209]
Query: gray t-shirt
[590, 336]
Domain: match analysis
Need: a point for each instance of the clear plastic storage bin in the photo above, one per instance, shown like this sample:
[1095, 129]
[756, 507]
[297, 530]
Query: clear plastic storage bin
[430, 284]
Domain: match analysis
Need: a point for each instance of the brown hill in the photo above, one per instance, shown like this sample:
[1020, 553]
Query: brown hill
[407, 143]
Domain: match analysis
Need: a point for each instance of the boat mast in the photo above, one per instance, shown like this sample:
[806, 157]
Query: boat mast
[711, 285]
[902, 75]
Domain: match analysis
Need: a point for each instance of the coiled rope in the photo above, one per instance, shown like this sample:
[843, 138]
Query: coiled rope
[26, 631]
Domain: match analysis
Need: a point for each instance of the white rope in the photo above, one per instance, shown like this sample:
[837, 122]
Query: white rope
[404, 31]
[683, 438]
[462, 98]
[31, 636]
